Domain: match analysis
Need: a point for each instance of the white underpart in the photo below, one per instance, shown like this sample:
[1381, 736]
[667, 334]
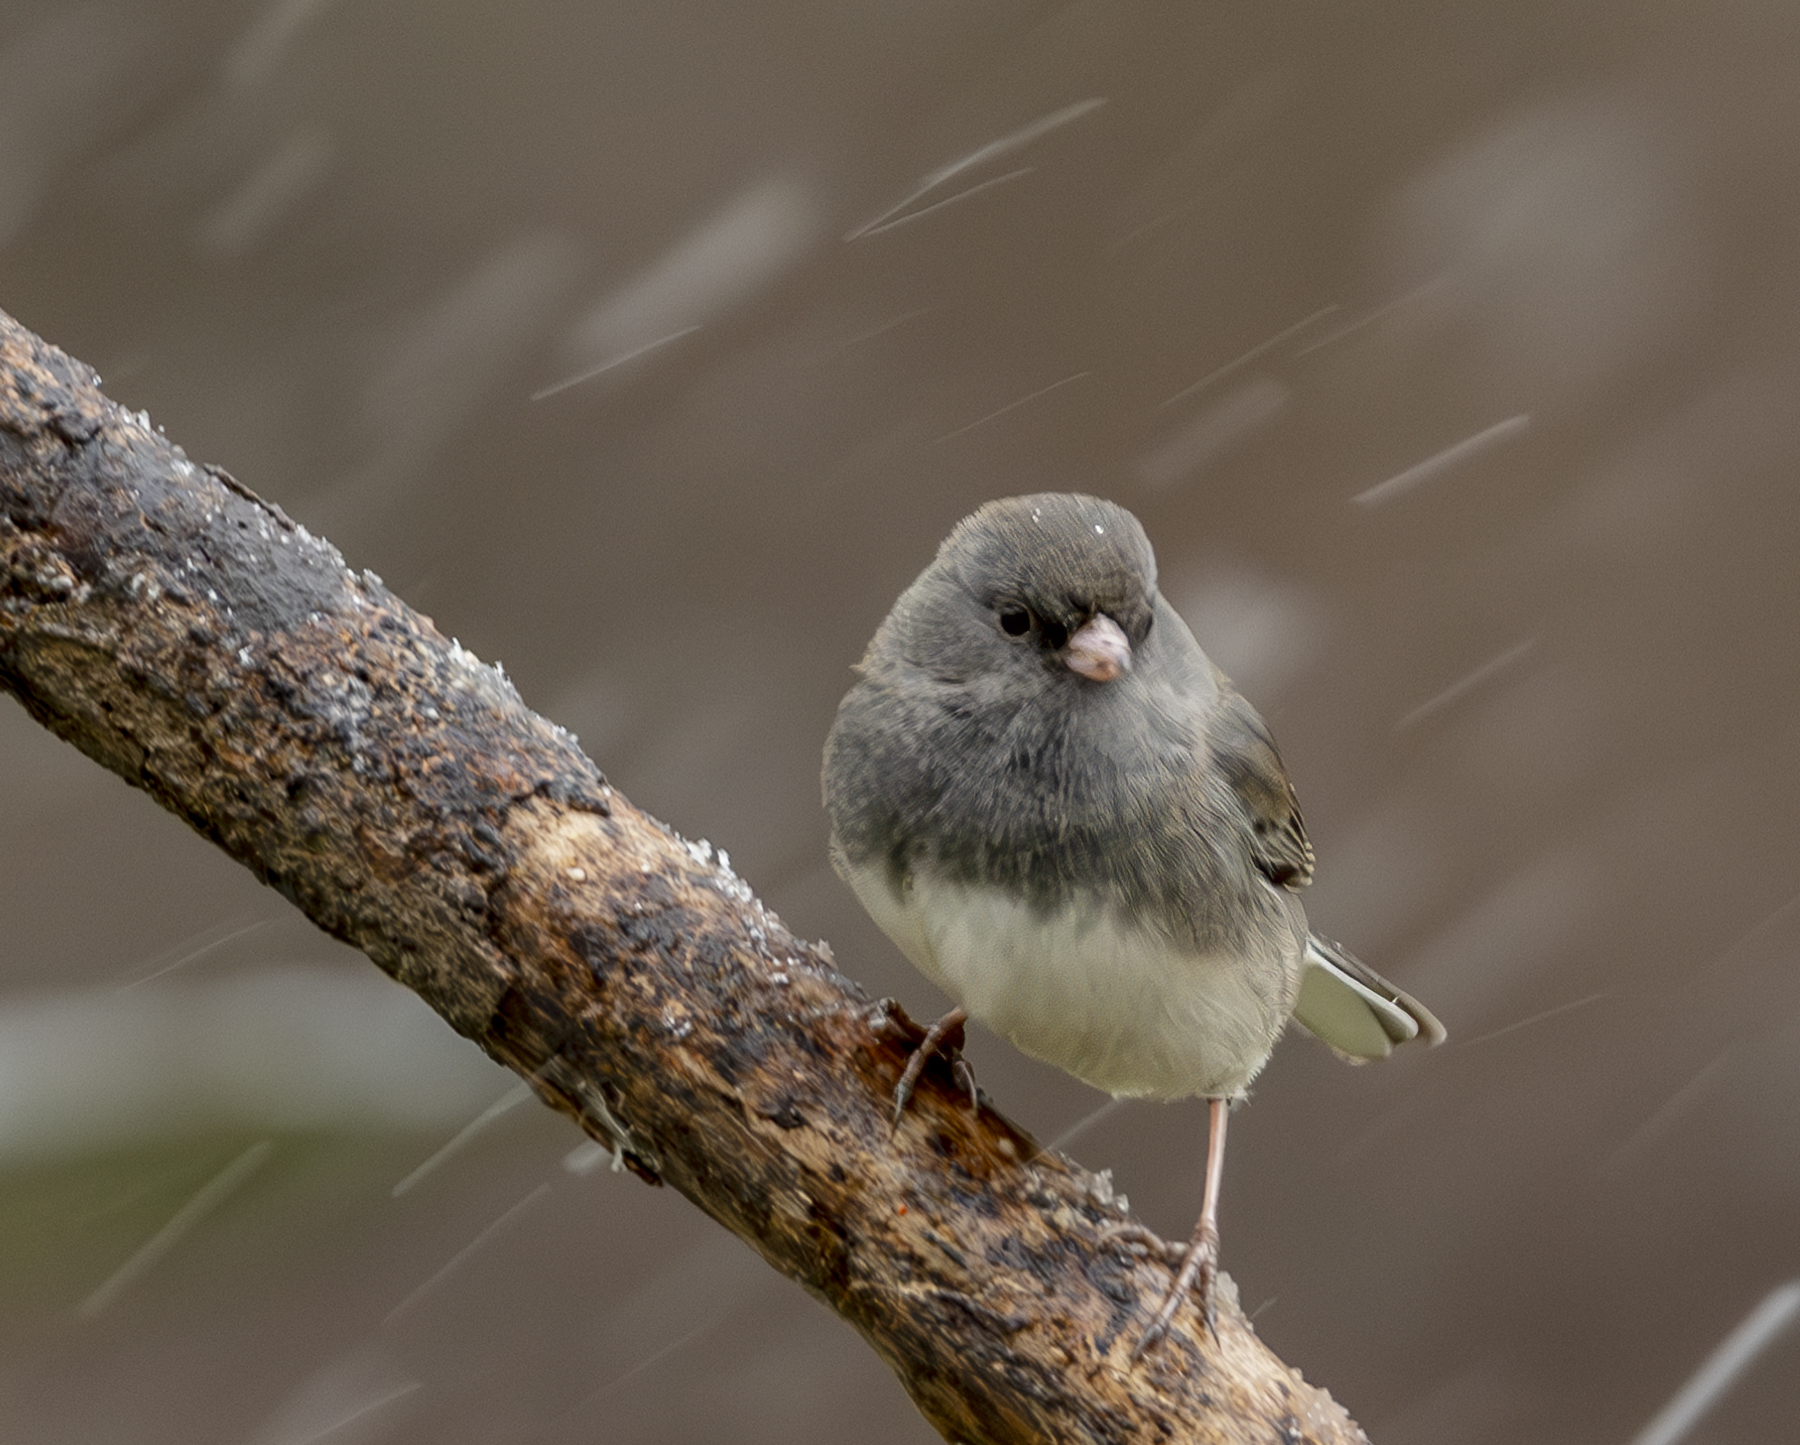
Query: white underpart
[1120, 1007]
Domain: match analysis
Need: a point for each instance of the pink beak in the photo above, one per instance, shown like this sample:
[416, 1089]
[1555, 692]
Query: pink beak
[1100, 651]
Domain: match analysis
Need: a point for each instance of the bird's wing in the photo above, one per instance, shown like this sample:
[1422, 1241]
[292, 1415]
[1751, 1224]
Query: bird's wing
[1354, 1009]
[1246, 755]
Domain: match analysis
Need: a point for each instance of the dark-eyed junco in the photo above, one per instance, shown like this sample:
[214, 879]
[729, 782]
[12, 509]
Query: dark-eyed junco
[1045, 793]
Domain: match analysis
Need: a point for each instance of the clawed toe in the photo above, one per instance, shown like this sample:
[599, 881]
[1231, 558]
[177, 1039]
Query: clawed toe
[965, 1075]
[1195, 1265]
[945, 1037]
[1144, 1241]
[1199, 1271]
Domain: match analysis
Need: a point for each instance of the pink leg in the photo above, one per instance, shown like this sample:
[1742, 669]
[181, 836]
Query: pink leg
[1202, 1261]
[943, 1037]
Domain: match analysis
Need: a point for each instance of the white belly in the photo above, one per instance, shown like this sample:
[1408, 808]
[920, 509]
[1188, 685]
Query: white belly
[1122, 1008]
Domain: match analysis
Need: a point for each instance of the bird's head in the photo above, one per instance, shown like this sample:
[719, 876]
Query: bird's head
[1055, 583]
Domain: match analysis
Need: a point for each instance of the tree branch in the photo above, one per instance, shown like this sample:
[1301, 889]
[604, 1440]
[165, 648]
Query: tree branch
[193, 639]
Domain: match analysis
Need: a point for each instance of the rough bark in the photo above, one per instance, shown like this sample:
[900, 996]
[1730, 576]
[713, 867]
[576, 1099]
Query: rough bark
[190, 637]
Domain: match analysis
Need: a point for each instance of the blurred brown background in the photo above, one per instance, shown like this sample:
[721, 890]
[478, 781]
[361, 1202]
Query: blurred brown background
[1449, 354]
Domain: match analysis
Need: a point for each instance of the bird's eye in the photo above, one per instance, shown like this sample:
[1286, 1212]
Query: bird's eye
[1015, 622]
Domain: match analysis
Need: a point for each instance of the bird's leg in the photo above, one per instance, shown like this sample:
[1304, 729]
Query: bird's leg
[943, 1037]
[1201, 1265]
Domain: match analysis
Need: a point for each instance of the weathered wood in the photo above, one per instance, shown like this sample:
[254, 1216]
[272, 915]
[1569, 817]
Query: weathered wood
[190, 637]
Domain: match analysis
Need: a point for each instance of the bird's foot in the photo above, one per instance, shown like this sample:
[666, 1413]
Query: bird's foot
[945, 1038]
[1199, 1271]
[1146, 1242]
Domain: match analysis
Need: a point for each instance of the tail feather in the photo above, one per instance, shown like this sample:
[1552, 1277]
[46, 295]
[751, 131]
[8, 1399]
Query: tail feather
[1354, 1009]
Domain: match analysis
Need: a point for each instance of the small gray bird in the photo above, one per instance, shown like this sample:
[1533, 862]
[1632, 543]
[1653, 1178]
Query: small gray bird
[1045, 793]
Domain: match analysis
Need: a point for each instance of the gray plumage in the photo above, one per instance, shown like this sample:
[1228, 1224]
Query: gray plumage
[1103, 871]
